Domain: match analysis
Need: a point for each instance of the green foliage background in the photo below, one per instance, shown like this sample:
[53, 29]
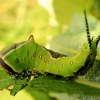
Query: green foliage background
[46, 19]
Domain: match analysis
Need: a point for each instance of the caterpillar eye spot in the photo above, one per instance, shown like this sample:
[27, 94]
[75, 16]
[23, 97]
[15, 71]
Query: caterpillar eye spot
[63, 65]
[71, 63]
[17, 60]
[77, 58]
[34, 54]
[45, 60]
[40, 56]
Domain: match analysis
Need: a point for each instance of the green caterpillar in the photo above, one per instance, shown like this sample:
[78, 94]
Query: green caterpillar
[27, 58]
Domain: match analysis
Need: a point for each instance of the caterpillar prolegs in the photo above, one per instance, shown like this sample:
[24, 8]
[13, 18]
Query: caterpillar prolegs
[29, 58]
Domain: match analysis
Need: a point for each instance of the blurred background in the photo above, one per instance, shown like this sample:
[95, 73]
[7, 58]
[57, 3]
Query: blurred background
[45, 19]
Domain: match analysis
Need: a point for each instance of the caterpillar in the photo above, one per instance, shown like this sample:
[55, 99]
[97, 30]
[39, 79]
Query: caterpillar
[28, 57]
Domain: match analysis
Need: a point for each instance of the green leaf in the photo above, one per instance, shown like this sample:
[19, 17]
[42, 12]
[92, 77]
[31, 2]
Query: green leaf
[64, 9]
[8, 82]
[49, 84]
[5, 80]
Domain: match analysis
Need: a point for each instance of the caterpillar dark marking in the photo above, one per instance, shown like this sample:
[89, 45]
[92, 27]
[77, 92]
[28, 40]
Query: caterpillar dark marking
[28, 58]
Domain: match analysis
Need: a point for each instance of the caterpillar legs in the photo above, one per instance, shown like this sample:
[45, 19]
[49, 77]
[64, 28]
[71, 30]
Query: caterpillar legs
[68, 78]
[24, 74]
[28, 74]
